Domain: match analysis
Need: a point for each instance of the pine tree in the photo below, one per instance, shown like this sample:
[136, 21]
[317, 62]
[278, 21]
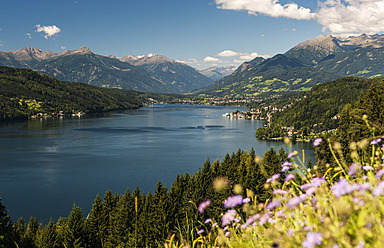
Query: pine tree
[75, 230]
[5, 227]
[97, 224]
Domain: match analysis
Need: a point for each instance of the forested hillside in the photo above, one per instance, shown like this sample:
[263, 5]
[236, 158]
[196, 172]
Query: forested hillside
[319, 110]
[25, 93]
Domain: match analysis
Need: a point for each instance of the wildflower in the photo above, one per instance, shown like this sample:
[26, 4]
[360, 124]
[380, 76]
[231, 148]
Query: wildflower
[375, 141]
[246, 200]
[291, 154]
[353, 169]
[233, 201]
[285, 168]
[203, 205]
[342, 187]
[295, 201]
[280, 214]
[314, 201]
[273, 204]
[379, 189]
[279, 192]
[317, 141]
[273, 178]
[250, 220]
[227, 234]
[317, 181]
[228, 217]
[290, 232]
[310, 191]
[289, 177]
[207, 221]
[367, 167]
[264, 219]
[379, 174]
[286, 163]
[312, 239]
[200, 231]
[214, 224]
[358, 201]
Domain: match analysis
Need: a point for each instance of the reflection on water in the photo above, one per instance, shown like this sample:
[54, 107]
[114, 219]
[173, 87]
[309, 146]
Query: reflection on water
[49, 164]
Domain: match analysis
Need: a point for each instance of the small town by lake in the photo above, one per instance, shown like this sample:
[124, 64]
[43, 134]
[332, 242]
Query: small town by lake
[50, 164]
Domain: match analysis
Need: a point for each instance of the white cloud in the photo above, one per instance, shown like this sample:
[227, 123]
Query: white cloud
[28, 35]
[63, 47]
[211, 59]
[48, 30]
[338, 17]
[228, 53]
[267, 7]
[351, 17]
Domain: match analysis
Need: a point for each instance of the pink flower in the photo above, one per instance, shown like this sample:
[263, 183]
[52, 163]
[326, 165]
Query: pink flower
[317, 141]
[289, 177]
[203, 205]
[273, 178]
[233, 201]
[312, 239]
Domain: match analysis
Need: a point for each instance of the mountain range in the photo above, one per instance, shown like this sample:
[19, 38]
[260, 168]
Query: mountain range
[151, 73]
[319, 60]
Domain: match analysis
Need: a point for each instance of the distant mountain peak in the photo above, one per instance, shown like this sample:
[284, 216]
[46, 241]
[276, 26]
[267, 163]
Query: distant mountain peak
[28, 53]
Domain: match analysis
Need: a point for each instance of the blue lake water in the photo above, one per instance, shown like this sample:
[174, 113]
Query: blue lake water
[48, 165]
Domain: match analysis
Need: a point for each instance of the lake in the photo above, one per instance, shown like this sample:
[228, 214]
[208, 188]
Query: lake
[48, 165]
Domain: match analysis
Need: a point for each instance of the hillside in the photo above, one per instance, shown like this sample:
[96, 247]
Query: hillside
[319, 60]
[319, 110]
[149, 73]
[25, 93]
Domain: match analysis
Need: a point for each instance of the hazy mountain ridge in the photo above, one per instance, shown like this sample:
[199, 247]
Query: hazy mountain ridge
[216, 72]
[151, 73]
[321, 59]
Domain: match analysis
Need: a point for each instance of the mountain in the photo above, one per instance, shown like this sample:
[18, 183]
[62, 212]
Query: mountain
[179, 76]
[151, 73]
[321, 59]
[216, 72]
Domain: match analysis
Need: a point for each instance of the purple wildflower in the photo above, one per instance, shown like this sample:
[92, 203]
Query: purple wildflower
[279, 192]
[367, 167]
[228, 217]
[289, 177]
[273, 178]
[353, 169]
[314, 201]
[250, 220]
[227, 234]
[233, 201]
[310, 191]
[342, 187]
[306, 186]
[264, 219]
[358, 201]
[286, 163]
[292, 203]
[375, 141]
[291, 155]
[312, 239]
[317, 181]
[379, 174]
[379, 189]
[290, 232]
[214, 224]
[207, 221]
[203, 205]
[317, 141]
[200, 231]
[285, 168]
[273, 204]
[246, 200]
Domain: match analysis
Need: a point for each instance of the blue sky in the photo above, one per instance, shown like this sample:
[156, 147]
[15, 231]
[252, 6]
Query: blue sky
[201, 33]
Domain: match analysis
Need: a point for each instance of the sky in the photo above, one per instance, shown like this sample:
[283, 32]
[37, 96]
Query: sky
[201, 33]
